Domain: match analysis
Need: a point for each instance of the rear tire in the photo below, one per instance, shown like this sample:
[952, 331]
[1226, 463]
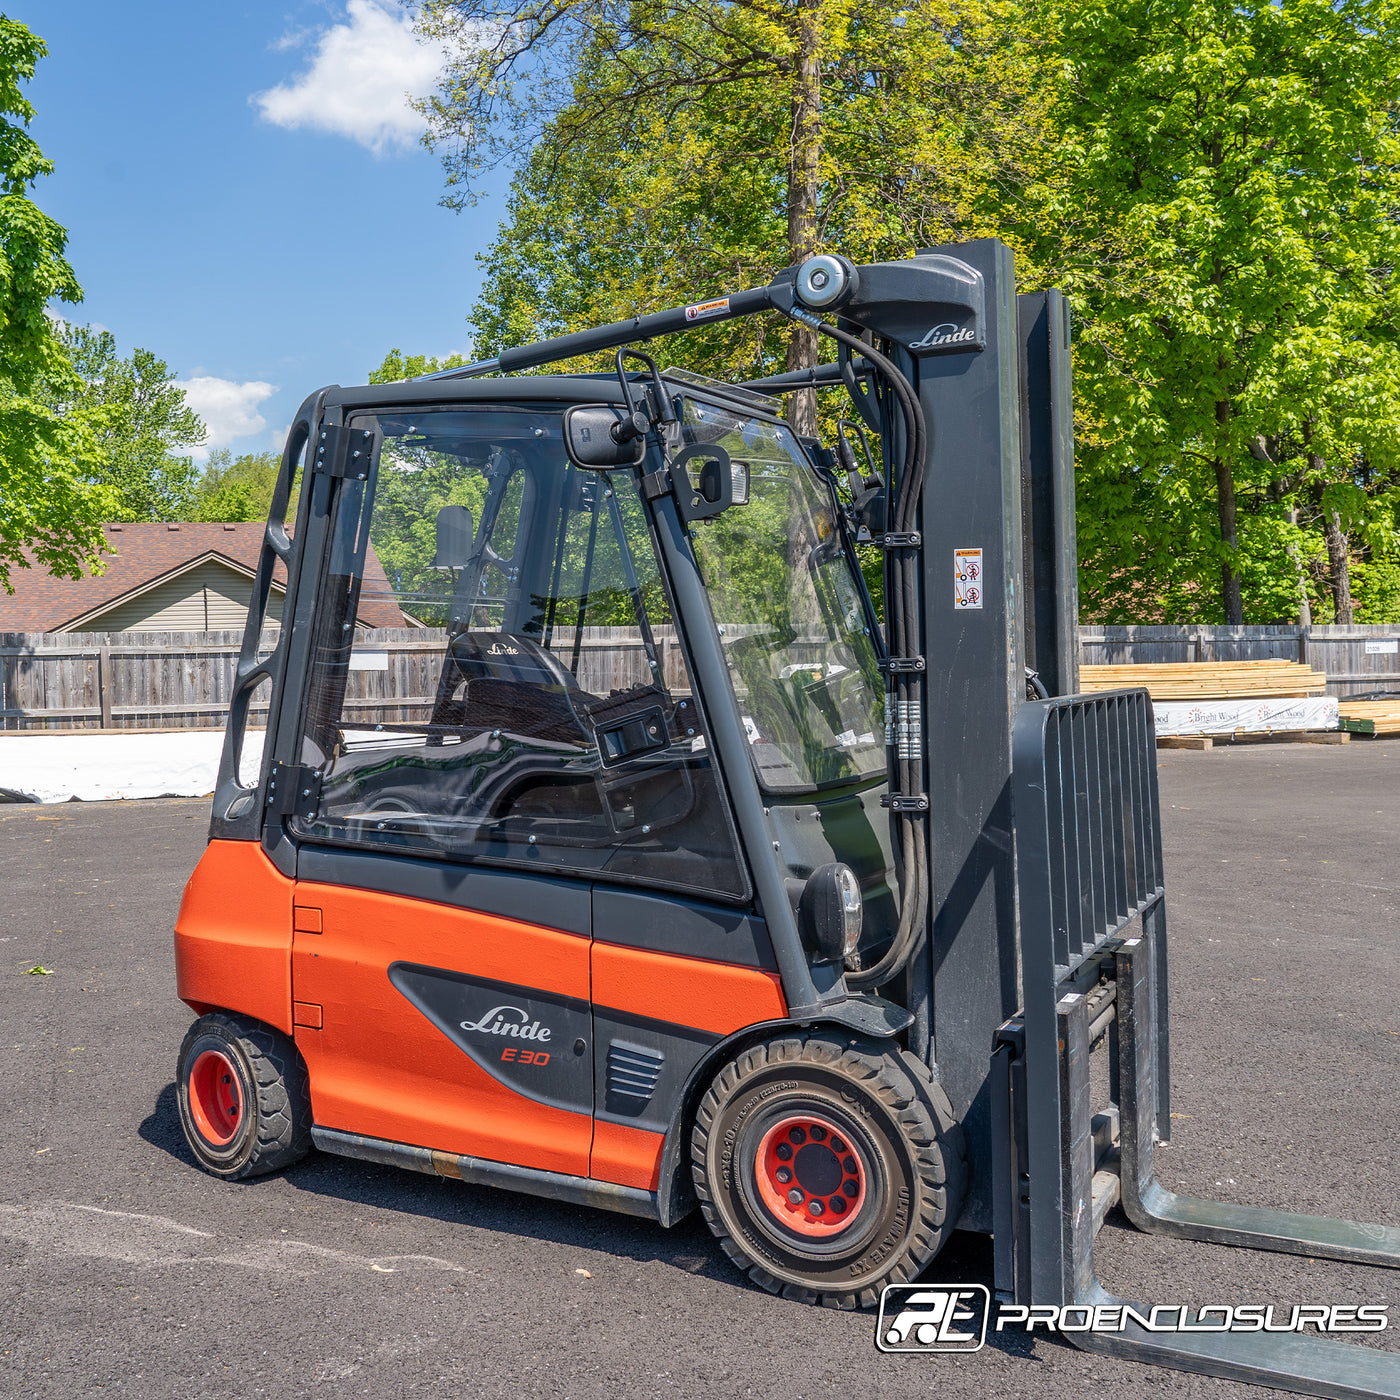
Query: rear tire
[245, 1102]
[828, 1167]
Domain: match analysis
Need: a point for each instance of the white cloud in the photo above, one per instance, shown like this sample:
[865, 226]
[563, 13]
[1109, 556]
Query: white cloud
[362, 73]
[229, 409]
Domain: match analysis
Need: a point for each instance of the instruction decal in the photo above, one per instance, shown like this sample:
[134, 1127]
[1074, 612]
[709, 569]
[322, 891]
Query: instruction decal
[967, 579]
[701, 309]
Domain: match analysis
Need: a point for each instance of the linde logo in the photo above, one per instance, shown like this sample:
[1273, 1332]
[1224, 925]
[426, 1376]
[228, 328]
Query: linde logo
[946, 334]
[508, 1020]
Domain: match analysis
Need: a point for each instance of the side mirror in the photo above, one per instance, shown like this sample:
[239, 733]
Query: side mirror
[454, 538]
[598, 436]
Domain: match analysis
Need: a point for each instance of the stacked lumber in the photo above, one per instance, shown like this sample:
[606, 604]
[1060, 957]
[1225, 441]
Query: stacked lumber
[1371, 716]
[1208, 680]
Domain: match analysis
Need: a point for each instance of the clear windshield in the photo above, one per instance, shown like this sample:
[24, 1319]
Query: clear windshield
[789, 612]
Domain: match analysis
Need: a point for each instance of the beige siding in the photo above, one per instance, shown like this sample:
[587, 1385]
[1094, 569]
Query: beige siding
[210, 596]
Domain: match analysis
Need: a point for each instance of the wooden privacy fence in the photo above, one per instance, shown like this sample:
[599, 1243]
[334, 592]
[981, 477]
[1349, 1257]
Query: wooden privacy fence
[183, 680]
[1358, 658]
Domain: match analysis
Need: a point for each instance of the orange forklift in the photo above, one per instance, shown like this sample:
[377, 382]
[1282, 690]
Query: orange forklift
[653, 865]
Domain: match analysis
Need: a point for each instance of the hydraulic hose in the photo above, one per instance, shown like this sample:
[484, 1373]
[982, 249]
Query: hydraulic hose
[903, 631]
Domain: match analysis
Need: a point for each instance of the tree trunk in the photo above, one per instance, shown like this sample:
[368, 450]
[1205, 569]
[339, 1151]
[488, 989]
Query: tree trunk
[1339, 557]
[803, 177]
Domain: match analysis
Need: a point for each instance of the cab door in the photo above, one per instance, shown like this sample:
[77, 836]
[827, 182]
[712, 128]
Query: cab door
[472, 781]
[439, 1004]
[430, 1012]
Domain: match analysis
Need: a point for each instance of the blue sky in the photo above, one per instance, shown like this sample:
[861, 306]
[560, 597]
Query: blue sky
[245, 197]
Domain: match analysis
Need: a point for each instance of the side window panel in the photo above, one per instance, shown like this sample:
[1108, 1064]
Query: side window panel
[541, 712]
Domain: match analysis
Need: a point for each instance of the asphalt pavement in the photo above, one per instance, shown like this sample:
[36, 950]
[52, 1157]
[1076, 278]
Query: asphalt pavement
[126, 1270]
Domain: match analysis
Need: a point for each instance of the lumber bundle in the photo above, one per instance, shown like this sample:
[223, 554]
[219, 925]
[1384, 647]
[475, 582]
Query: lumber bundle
[1208, 680]
[1371, 716]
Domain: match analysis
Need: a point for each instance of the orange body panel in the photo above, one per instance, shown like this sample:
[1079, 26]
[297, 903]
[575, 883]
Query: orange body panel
[709, 996]
[233, 936]
[626, 1156]
[380, 1068]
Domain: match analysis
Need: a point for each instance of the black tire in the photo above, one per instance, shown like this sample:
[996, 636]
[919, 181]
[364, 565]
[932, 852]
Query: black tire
[258, 1075]
[898, 1139]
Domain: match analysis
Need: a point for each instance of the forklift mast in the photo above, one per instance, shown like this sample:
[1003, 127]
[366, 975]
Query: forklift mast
[1023, 817]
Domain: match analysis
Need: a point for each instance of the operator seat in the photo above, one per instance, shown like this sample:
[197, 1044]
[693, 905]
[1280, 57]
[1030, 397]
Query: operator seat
[499, 680]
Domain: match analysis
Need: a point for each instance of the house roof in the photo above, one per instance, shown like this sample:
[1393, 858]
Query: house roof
[140, 554]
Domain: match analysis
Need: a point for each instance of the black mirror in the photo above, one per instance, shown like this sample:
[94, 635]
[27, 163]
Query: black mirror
[601, 435]
[454, 538]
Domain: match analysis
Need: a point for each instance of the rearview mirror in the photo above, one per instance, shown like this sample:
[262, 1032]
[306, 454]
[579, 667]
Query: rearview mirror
[454, 538]
[601, 435]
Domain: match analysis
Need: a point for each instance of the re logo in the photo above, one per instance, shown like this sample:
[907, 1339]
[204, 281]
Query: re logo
[915, 1317]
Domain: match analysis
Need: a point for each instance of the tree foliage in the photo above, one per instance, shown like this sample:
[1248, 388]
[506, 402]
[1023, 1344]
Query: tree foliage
[139, 420]
[50, 506]
[1214, 184]
[668, 151]
[1224, 218]
[237, 488]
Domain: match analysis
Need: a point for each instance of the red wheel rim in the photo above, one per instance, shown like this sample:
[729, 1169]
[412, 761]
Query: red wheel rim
[216, 1097]
[810, 1176]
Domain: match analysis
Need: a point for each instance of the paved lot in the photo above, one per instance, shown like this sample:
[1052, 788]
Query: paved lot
[124, 1269]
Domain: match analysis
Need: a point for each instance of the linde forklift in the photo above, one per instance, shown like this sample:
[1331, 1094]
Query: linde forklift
[666, 870]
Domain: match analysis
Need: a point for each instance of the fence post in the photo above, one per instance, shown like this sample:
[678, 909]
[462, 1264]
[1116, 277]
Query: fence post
[104, 685]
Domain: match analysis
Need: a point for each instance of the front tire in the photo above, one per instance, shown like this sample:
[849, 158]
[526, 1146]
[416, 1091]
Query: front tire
[245, 1102]
[828, 1167]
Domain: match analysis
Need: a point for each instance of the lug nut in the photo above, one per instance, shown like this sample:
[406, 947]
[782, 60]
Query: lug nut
[816, 1207]
[795, 1196]
[784, 1174]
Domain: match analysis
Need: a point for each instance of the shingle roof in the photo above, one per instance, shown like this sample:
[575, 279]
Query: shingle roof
[138, 554]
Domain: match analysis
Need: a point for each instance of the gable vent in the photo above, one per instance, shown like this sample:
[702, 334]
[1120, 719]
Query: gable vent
[633, 1070]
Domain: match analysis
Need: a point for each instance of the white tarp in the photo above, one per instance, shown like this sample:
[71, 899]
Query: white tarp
[57, 767]
[1248, 716]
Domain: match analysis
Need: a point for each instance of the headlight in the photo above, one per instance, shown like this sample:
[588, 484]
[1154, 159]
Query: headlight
[830, 912]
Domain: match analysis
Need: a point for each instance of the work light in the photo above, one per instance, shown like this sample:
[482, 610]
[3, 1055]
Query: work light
[830, 912]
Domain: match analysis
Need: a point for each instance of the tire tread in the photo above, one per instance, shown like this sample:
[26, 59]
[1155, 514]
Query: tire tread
[917, 1103]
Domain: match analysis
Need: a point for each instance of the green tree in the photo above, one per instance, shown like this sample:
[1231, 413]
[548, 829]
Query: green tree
[238, 488]
[668, 152]
[141, 421]
[50, 506]
[1224, 216]
[396, 365]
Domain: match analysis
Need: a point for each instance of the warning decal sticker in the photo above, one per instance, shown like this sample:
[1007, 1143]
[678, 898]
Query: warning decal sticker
[701, 309]
[967, 578]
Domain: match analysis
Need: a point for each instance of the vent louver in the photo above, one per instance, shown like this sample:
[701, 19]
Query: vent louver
[633, 1070]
